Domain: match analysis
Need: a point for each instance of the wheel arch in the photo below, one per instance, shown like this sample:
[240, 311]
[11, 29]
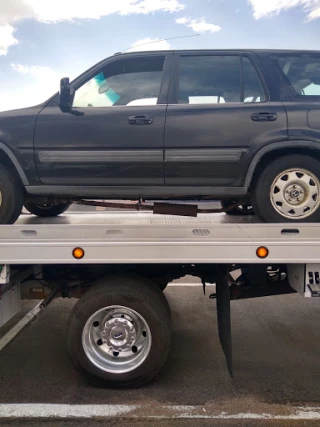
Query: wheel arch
[272, 151]
[9, 159]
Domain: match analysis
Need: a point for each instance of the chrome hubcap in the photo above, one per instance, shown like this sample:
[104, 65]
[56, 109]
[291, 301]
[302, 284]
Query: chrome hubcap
[119, 334]
[116, 339]
[295, 193]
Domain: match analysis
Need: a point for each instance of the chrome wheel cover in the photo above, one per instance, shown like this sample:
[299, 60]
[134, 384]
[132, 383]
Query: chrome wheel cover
[116, 339]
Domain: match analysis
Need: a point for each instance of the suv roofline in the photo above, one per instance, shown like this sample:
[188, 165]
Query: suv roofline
[217, 50]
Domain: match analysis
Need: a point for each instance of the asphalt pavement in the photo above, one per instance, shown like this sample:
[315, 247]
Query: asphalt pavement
[276, 369]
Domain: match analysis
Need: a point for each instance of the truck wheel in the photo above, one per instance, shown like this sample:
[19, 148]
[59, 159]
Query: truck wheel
[11, 196]
[120, 331]
[241, 210]
[288, 189]
[46, 210]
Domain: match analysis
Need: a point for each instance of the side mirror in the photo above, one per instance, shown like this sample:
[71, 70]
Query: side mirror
[66, 98]
[65, 94]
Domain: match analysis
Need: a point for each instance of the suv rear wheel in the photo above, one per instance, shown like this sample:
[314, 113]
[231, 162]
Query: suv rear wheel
[288, 190]
[46, 209]
[11, 196]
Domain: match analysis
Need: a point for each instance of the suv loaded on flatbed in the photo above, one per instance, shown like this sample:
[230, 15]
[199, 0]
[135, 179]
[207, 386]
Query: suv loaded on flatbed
[239, 126]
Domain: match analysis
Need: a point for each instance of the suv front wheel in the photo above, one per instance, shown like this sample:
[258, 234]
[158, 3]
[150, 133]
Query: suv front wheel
[11, 196]
[288, 190]
[46, 209]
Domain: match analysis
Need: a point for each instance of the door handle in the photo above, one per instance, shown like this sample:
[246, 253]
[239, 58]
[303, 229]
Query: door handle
[264, 117]
[140, 120]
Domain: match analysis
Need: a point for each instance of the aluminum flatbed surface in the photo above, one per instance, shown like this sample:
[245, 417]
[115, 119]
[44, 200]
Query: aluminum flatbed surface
[122, 238]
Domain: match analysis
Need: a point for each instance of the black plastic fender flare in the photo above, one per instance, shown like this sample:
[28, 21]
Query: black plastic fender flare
[15, 163]
[275, 147]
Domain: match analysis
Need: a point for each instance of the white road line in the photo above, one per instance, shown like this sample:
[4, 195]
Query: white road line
[42, 410]
[10, 335]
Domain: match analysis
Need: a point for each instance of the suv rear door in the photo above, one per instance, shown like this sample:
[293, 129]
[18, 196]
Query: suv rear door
[220, 113]
[298, 77]
[117, 136]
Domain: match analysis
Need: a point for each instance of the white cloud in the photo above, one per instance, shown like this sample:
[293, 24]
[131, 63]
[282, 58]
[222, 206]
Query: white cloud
[150, 44]
[265, 8]
[198, 25]
[62, 10]
[315, 13]
[12, 11]
[32, 70]
[94, 9]
[6, 38]
[34, 85]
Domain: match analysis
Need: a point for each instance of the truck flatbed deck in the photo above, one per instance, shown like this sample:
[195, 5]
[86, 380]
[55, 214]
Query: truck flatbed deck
[127, 259]
[146, 238]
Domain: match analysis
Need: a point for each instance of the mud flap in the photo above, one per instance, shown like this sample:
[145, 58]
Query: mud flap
[224, 316]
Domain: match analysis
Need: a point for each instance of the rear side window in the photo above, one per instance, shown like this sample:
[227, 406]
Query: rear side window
[218, 79]
[252, 87]
[131, 82]
[302, 72]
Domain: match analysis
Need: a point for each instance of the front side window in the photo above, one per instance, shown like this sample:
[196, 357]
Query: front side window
[218, 80]
[134, 81]
[302, 72]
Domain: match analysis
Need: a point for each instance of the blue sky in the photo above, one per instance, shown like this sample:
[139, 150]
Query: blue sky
[44, 40]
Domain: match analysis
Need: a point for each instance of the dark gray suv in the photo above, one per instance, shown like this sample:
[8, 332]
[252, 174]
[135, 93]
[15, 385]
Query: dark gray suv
[242, 126]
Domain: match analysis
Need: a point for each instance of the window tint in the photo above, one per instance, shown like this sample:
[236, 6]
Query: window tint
[252, 87]
[217, 79]
[209, 79]
[123, 82]
[302, 72]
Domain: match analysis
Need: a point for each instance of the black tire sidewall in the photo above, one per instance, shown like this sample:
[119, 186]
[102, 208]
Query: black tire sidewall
[235, 211]
[12, 196]
[261, 202]
[154, 314]
[55, 210]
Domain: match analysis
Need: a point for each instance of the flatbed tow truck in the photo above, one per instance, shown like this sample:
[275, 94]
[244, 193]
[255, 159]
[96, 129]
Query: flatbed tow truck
[118, 264]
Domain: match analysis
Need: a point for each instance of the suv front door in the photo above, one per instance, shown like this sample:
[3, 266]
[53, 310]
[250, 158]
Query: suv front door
[220, 113]
[117, 138]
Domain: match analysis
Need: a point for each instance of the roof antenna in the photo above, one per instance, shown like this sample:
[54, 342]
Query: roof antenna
[162, 40]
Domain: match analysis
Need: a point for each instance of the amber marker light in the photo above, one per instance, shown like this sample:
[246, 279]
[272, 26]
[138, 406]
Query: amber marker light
[78, 253]
[262, 252]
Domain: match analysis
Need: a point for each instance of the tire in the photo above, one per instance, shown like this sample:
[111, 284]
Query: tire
[288, 190]
[135, 301]
[46, 210]
[162, 286]
[11, 196]
[241, 210]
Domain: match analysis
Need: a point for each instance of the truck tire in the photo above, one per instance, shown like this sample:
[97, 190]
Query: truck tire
[46, 210]
[288, 190]
[241, 210]
[11, 196]
[119, 332]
